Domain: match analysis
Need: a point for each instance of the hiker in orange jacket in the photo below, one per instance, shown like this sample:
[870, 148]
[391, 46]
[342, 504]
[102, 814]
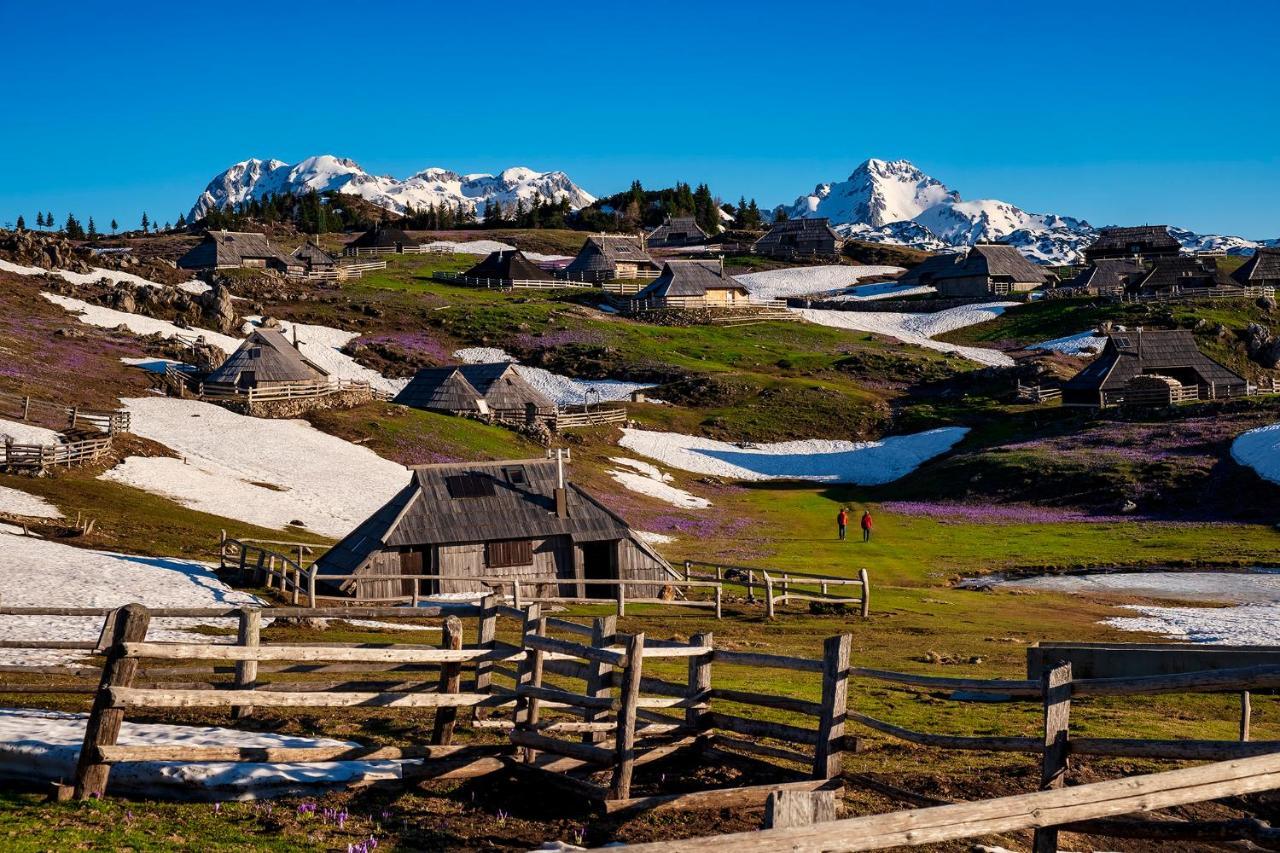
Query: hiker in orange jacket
[842, 521]
[866, 525]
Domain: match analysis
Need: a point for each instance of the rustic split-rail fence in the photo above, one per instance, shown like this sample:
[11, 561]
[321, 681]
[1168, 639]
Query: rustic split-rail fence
[85, 438]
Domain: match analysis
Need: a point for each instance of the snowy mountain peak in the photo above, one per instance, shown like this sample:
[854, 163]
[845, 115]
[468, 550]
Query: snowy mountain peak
[877, 193]
[256, 179]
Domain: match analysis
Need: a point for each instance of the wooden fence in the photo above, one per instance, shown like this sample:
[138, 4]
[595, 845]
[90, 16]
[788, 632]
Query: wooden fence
[1036, 393]
[506, 283]
[41, 457]
[281, 391]
[23, 407]
[1183, 294]
[782, 586]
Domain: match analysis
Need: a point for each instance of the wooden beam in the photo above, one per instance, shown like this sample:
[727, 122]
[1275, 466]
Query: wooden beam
[248, 634]
[598, 675]
[829, 751]
[127, 697]
[620, 784]
[105, 718]
[450, 683]
[1056, 683]
[725, 798]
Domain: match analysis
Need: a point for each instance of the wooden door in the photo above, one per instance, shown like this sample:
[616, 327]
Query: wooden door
[411, 563]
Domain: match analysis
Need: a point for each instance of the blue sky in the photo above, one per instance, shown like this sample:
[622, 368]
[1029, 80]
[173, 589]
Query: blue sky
[1124, 112]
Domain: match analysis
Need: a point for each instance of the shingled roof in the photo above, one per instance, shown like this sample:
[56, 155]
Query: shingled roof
[269, 356]
[314, 256]
[1136, 240]
[1106, 275]
[601, 253]
[232, 249]
[382, 237]
[1183, 271]
[470, 502]
[509, 265]
[677, 231]
[994, 260]
[791, 232]
[927, 270]
[1130, 354]
[690, 278]
[459, 388]
[1262, 268]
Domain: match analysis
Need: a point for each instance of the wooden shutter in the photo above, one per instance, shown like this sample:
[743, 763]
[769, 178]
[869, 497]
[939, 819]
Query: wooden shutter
[509, 552]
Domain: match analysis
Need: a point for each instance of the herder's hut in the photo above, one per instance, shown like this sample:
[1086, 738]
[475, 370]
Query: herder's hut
[1121, 375]
[605, 257]
[505, 267]
[676, 231]
[1147, 242]
[379, 240]
[266, 360]
[220, 250]
[510, 520]
[989, 269]
[315, 258]
[800, 238]
[1262, 270]
[1170, 276]
[1106, 277]
[694, 284]
[477, 389]
[924, 273]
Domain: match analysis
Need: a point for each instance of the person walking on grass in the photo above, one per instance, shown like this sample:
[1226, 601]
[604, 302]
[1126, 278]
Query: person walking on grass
[842, 521]
[866, 525]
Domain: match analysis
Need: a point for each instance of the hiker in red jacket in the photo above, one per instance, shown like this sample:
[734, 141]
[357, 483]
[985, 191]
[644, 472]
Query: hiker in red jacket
[842, 521]
[866, 525]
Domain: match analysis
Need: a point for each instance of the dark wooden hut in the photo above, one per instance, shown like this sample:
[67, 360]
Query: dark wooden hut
[508, 266]
[1262, 270]
[604, 257]
[800, 238]
[512, 520]
[477, 389]
[1122, 373]
[379, 240]
[677, 231]
[1143, 241]
[988, 269]
[694, 284]
[264, 361]
[1106, 277]
[239, 250]
[1170, 276]
[315, 258]
[924, 273]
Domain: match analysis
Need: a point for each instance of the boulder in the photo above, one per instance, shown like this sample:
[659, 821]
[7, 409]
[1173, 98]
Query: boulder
[217, 310]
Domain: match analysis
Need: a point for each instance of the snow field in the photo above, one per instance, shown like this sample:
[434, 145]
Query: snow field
[563, 390]
[98, 273]
[109, 318]
[802, 281]
[865, 463]
[1083, 343]
[23, 505]
[646, 479]
[25, 433]
[1258, 449]
[920, 329]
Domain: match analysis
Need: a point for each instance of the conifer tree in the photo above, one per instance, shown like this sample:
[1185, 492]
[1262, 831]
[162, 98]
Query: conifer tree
[182, 222]
[48, 219]
[93, 230]
[145, 222]
[39, 219]
[22, 224]
[115, 226]
[75, 231]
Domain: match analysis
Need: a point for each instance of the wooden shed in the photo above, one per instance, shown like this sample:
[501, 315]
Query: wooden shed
[604, 257]
[1109, 380]
[1143, 241]
[265, 360]
[1171, 276]
[800, 238]
[988, 269]
[379, 240]
[315, 258]
[677, 231]
[507, 266]
[239, 250]
[1106, 276]
[1262, 270]
[514, 519]
[694, 284]
[477, 389]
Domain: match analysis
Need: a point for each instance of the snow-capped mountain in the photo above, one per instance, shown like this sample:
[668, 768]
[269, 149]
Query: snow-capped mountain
[257, 179]
[894, 202]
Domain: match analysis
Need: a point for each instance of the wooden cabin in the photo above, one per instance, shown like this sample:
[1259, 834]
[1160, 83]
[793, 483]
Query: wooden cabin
[606, 257]
[513, 520]
[1262, 270]
[1122, 373]
[987, 269]
[800, 238]
[266, 360]
[677, 231]
[1174, 275]
[923, 273]
[694, 284]
[477, 389]
[1106, 277]
[315, 258]
[220, 250]
[507, 266]
[379, 240]
[1146, 242]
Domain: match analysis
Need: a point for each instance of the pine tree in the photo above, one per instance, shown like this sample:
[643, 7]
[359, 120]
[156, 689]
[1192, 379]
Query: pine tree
[115, 226]
[93, 230]
[182, 222]
[22, 224]
[48, 219]
[145, 222]
[73, 228]
[39, 219]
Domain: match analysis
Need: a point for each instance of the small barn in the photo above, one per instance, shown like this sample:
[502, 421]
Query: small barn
[1106, 277]
[800, 238]
[477, 389]
[924, 273]
[988, 269]
[675, 232]
[315, 258]
[694, 284]
[379, 240]
[1146, 242]
[507, 266]
[518, 519]
[605, 257]
[1262, 270]
[1170, 276]
[1121, 374]
[220, 250]
[265, 360]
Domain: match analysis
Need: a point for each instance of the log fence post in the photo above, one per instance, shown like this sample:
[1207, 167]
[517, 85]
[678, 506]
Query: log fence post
[103, 726]
[829, 752]
[866, 592]
[688, 566]
[625, 746]
[529, 673]
[768, 596]
[26, 407]
[1055, 685]
[249, 635]
[622, 598]
[719, 602]
[599, 680]
[751, 586]
[450, 682]
[1246, 714]
[486, 638]
[699, 680]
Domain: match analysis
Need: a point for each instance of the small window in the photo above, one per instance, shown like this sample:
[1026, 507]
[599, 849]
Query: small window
[508, 553]
[469, 486]
[255, 352]
[515, 476]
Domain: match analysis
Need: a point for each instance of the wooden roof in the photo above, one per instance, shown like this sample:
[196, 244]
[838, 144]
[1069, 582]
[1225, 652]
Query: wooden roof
[1262, 267]
[681, 228]
[790, 231]
[1106, 274]
[458, 388]
[1130, 354]
[471, 502]
[314, 256]
[382, 237]
[998, 260]
[232, 249]
[509, 265]
[267, 354]
[603, 253]
[1182, 271]
[1148, 238]
[928, 269]
[690, 278]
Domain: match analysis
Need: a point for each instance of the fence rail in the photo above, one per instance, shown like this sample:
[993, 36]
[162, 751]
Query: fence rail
[282, 391]
[43, 456]
[108, 421]
[1036, 393]
[507, 283]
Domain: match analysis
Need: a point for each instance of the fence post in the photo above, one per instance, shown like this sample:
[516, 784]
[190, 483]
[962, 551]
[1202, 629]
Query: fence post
[622, 598]
[529, 673]
[625, 747]
[687, 566]
[249, 635]
[311, 587]
[719, 602]
[1246, 712]
[829, 753]
[768, 596]
[26, 407]
[699, 680]
[1056, 689]
[604, 631]
[866, 592]
[259, 573]
[450, 682]
[486, 637]
[103, 726]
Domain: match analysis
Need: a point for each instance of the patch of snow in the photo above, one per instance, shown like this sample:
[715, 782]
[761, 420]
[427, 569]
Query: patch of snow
[481, 355]
[881, 290]
[156, 365]
[96, 274]
[322, 345]
[260, 471]
[109, 318]
[1078, 344]
[920, 329]
[1242, 625]
[43, 746]
[655, 538]
[865, 463]
[25, 433]
[646, 479]
[562, 390]
[802, 281]
[14, 502]
[472, 247]
[1258, 449]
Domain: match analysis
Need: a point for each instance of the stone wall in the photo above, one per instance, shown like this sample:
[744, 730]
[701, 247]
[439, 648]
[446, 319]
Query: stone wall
[298, 406]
